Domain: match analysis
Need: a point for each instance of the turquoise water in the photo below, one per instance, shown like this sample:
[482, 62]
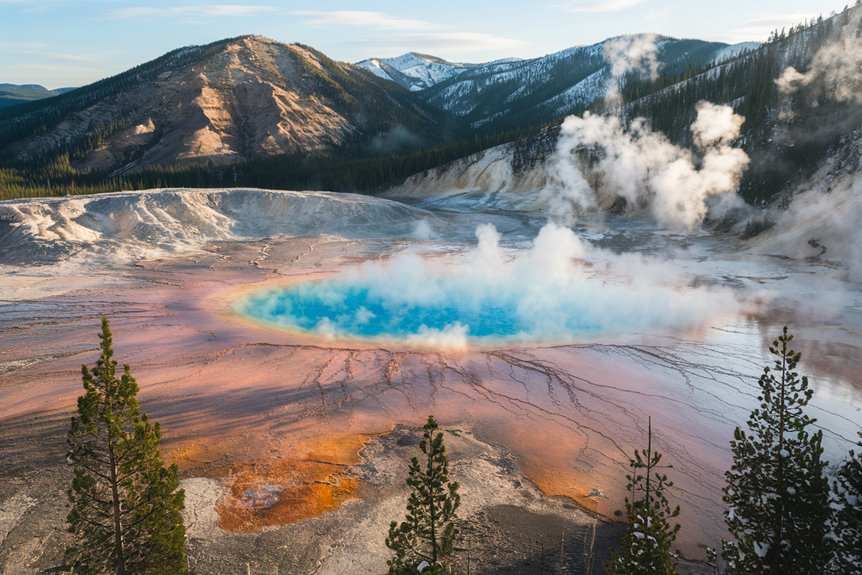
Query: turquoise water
[348, 309]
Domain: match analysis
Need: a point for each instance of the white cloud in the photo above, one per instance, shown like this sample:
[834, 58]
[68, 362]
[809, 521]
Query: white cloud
[773, 21]
[759, 28]
[444, 42]
[408, 34]
[361, 19]
[197, 10]
[594, 6]
[15, 45]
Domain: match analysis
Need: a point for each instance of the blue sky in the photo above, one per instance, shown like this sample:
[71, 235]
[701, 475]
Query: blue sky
[73, 42]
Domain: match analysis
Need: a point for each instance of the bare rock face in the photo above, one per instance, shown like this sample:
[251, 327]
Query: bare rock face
[248, 97]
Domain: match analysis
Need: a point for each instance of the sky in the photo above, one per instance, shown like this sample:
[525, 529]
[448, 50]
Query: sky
[59, 43]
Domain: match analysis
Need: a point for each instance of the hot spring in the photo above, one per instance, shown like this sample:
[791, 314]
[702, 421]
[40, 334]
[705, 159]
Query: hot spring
[558, 290]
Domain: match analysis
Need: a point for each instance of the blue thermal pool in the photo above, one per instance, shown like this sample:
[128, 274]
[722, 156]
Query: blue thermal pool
[343, 309]
[454, 313]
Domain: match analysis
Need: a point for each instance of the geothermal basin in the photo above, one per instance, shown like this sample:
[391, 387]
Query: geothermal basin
[491, 295]
[279, 362]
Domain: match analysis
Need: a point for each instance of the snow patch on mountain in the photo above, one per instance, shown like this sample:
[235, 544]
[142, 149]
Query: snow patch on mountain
[582, 94]
[735, 50]
[412, 70]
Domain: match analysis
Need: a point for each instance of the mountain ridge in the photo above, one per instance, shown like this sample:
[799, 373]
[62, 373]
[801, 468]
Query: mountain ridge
[230, 100]
[14, 94]
[251, 96]
[413, 70]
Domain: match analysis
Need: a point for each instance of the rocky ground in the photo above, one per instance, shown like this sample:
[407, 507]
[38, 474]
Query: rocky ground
[508, 525]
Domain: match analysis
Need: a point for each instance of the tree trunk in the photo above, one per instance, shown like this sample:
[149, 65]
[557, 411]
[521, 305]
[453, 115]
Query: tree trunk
[115, 498]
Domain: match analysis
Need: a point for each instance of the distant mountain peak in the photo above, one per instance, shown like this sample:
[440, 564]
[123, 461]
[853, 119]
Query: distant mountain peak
[13, 94]
[414, 70]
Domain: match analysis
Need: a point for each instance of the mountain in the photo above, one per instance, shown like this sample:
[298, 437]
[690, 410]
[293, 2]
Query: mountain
[251, 97]
[512, 93]
[799, 139]
[250, 111]
[34, 87]
[414, 71]
[508, 94]
[12, 94]
[228, 101]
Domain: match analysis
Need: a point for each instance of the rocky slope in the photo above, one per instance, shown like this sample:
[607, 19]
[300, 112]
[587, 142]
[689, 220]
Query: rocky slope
[236, 99]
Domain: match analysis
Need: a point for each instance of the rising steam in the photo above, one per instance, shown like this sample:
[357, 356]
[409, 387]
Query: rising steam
[836, 69]
[559, 289]
[628, 54]
[646, 170]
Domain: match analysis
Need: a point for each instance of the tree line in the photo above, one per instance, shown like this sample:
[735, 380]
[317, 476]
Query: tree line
[783, 514]
[783, 150]
[349, 170]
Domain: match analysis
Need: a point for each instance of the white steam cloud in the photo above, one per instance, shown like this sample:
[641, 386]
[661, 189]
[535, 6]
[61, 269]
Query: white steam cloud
[558, 286]
[836, 67]
[629, 54]
[422, 230]
[820, 224]
[648, 171]
[559, 289]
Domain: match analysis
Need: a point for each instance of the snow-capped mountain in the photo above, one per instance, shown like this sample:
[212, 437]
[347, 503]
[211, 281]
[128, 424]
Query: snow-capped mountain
[501, 95]
[414, 71]
[505, 94]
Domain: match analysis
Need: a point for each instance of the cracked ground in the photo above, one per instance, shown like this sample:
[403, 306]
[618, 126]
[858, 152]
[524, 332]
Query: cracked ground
[293, 448]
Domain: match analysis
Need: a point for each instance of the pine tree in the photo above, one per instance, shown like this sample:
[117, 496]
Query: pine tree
[646, 546]
[848, 517]
[776, 489]
[125, 506]
[429, 531]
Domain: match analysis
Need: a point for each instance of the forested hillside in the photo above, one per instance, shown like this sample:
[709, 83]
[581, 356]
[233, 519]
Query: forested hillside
[786, 135]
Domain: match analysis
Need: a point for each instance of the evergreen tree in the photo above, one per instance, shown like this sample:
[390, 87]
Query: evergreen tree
[125, 506]
[646, 546]
[776, 489]
[429, 531]
[848, 517]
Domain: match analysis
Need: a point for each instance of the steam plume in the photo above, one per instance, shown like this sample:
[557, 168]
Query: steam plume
[646, 170]
[836, 68]
[628, 54]
[558, 289]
